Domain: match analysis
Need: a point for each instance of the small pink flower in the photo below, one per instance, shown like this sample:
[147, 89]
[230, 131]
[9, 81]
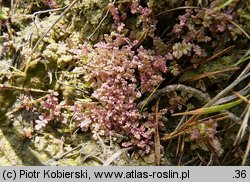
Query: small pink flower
[41, 122]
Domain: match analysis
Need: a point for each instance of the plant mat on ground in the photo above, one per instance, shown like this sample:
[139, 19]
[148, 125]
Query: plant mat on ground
[124, 82]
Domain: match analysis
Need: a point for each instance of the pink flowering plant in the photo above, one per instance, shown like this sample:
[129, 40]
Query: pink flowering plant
[107, 81]
[51, 110]
[121, 69]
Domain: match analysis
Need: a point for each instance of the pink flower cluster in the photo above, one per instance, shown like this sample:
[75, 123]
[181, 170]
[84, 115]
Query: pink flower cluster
[51, 110]
[116, 109]
[204, 25]
[114, 70]
[137, 8]
[116, 17]
[148, 23]
[115, 57]
[150, 67]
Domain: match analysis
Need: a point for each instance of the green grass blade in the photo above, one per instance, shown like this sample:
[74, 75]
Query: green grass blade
[213, 109]
[225, 4]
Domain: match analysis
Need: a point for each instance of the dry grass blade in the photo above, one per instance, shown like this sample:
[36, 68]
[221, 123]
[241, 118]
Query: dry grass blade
[243, 92]
[114, 156]
[229, 87]
[184, 128]
[47, 31]
[245, 71]
[22, 106]
[197, 77]
[243, 98]
[211, 58]
[57, 158]
[218, 54]
[244, 74]
[41, 12]
[157, 137]
[99, 25]
[179, 8]
[8, 87]
[180, 123]
[241, 29]
[173, 135]
[244, 123]
[102, 144]
[141, 38]
[243, 127]
[142, 104]
[246, 152]
[180, 147]
[214, 117]
[49, 28]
